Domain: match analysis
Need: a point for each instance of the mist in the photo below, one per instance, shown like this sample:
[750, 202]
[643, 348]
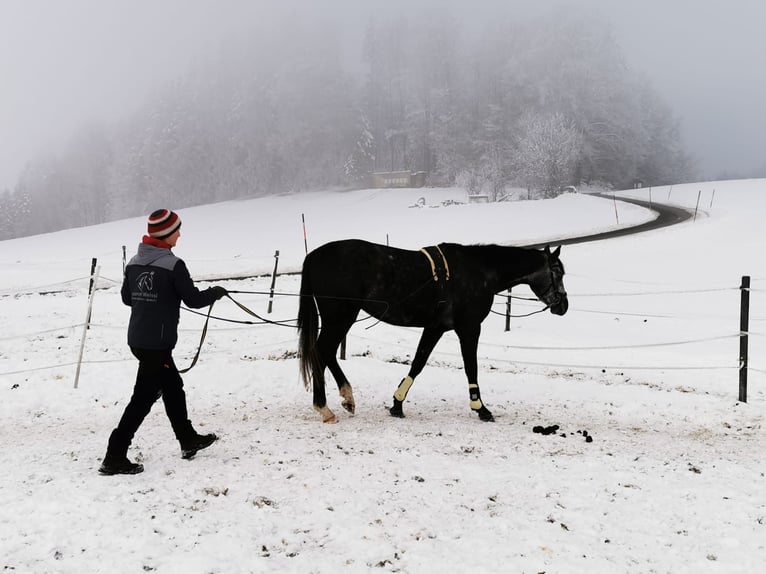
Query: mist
[65, 66]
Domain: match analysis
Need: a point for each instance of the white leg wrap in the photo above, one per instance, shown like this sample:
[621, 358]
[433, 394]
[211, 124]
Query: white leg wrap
[476, 403]
[403, 388]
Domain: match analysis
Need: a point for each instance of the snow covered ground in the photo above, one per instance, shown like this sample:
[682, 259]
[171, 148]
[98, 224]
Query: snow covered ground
[645, 361]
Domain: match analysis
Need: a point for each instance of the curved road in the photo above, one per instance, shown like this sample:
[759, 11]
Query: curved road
[667, 215]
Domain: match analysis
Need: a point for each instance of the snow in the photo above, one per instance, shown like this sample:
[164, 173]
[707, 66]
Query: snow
[645, 361]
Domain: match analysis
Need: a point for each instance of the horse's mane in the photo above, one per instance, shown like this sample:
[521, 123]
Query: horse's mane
[491, 251]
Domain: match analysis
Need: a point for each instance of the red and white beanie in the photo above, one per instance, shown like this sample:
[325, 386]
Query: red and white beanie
[163, 223]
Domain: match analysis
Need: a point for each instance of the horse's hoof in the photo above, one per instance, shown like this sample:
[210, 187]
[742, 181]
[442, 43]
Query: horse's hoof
[396, 410]
[485, 415]
[348, 398]
[327, 415]
[333, 420]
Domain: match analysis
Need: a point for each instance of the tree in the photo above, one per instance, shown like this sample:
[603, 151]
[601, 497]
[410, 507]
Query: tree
[548, 151]
[545, 103]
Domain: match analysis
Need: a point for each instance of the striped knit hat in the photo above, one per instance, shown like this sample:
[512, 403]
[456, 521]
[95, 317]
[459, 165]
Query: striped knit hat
[163, 223]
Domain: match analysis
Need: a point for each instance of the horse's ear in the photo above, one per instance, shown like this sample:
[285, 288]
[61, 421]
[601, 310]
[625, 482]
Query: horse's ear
[547, 249]
[558, 250]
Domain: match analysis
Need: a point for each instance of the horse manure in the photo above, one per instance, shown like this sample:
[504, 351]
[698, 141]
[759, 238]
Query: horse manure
[585, 435]
[545, 430]
[552, 429]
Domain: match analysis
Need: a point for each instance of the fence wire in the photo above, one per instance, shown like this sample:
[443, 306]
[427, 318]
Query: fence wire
[46, 289]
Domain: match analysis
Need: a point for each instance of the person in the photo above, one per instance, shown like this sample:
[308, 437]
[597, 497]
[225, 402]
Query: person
[154, 284]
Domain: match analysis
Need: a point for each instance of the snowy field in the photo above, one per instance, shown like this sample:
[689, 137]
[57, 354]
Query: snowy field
[645, 361]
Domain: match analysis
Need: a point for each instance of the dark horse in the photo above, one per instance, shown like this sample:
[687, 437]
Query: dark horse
[439, 288]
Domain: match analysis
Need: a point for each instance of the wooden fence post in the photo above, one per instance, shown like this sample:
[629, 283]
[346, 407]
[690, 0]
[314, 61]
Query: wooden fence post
[508, 312]
[744, 312]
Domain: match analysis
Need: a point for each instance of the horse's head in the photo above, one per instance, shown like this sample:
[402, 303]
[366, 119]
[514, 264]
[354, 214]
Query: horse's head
[547, 283]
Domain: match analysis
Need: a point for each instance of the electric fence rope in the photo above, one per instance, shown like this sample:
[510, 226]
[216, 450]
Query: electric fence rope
[265, 294]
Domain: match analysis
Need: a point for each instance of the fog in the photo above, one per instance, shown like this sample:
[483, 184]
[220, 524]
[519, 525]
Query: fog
[64, 65]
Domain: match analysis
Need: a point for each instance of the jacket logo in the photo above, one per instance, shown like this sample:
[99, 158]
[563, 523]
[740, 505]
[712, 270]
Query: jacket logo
[145, 282]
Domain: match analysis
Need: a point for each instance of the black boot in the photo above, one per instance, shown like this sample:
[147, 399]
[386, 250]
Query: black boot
[119, 465]
[189, 447]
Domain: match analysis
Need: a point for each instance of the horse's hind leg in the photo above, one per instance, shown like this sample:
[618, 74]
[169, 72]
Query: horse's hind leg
[344, 387]
[428, 341]
[320, 398]
[328, 342]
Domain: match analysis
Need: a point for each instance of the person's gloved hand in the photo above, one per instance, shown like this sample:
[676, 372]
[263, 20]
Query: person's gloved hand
[219, 292]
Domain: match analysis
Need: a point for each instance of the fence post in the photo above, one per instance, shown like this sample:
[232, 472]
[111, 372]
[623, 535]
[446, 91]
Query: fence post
[699, 194]
[92, 294]
[92, 284]
[743, 328]
[273, 279]
[92, 269]
[123, 260]
[616, 217]
[508, 312]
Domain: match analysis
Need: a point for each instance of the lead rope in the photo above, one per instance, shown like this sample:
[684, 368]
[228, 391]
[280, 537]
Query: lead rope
[253, 314]
[201, 340]
[204, 329]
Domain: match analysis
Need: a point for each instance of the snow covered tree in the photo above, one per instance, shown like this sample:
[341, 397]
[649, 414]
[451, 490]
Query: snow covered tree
[548, 151]
[547, 102]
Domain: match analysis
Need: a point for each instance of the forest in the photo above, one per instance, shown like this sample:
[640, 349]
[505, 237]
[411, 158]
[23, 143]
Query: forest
[538, 104]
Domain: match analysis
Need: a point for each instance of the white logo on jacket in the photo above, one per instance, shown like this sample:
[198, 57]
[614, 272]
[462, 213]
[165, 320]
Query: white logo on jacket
[145, 282]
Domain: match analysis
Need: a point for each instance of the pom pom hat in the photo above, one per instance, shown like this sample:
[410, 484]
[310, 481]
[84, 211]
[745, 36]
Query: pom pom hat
[163, 223]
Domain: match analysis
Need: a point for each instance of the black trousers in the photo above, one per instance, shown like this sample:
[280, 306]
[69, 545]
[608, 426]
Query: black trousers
[157, 377]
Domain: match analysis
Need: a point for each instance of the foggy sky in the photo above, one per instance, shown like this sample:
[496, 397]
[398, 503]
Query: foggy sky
[66, 63]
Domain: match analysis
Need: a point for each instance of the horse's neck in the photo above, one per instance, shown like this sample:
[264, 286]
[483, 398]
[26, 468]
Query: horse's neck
[513, 266]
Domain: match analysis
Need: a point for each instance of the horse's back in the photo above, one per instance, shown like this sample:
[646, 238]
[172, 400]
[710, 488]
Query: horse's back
[358, 268]
[353, 258]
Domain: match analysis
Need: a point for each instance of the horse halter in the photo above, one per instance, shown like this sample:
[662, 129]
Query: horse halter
[554, 293]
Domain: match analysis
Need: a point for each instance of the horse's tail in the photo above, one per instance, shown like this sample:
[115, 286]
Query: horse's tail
[308, 329]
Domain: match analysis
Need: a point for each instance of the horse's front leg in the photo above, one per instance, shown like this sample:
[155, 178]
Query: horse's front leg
[469, 344]
[428, 341]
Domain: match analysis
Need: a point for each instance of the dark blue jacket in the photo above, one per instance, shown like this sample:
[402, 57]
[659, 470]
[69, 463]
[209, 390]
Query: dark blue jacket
[155, 283]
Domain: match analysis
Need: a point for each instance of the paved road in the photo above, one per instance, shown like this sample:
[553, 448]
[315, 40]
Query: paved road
[667, 215]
